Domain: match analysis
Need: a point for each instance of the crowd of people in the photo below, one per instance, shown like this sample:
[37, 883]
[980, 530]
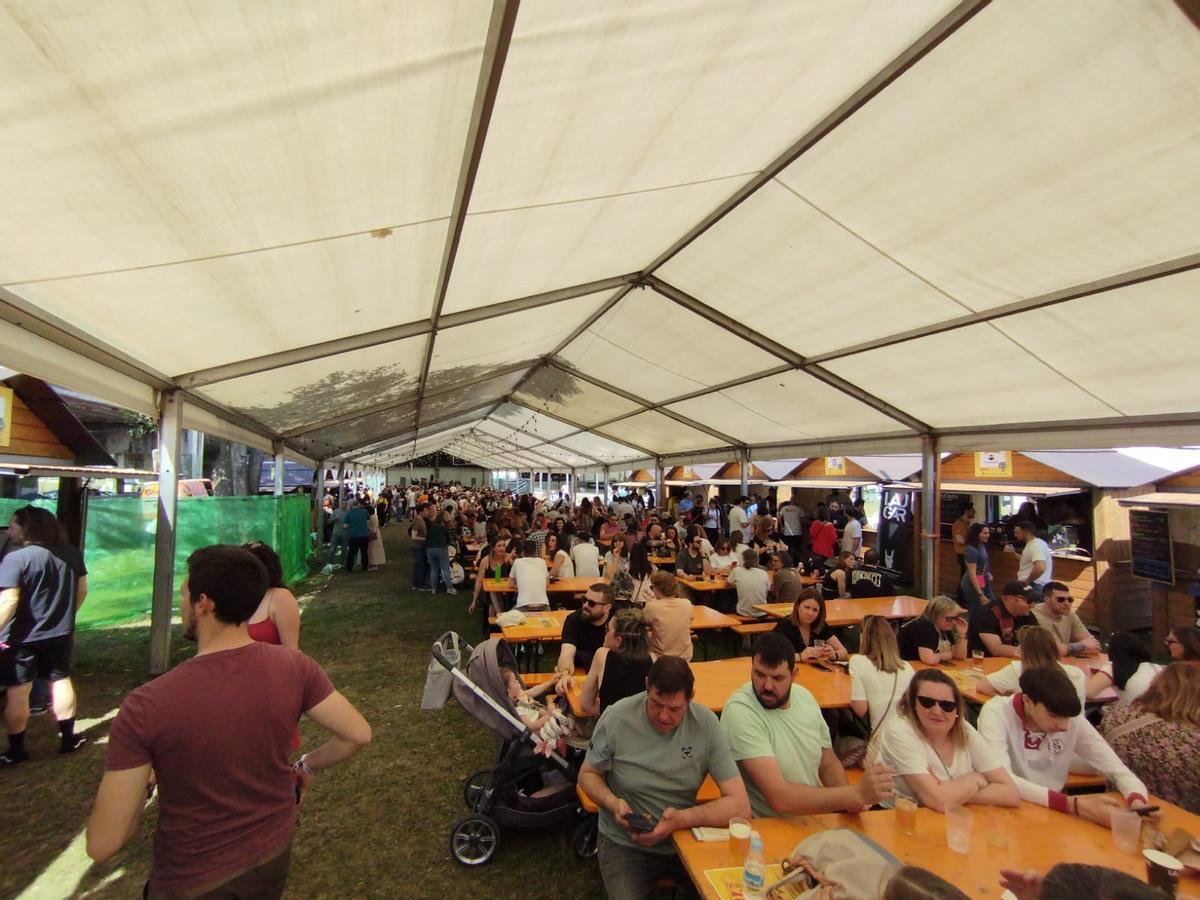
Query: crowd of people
[771, 751]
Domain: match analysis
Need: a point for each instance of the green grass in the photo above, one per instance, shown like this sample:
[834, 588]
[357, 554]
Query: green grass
[376, 826]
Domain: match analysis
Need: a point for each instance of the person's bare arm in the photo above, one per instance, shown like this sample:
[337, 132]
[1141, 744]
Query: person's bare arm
[830, 770]
[839, 651]
[9, 598]
[996, 647]
[1097, 684]
[733, 802]
[285, 610]
[589, 696]
[973, 574]
[566, 659]
[1001, 790]
[860, 708]
[789, 798]
[81, 591]
[1039, 568]
[929, 657]
[117, 811]
[350, 732]
[986, 688]
[940, 795]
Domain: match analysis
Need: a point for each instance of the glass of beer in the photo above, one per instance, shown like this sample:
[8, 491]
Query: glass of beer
[906, 815]
[739, 840]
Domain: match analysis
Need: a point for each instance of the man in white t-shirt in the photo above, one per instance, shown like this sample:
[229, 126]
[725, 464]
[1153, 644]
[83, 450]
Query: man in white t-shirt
[1036, 566]
[781, 743]
[852, 536]
[752, 584]
[1039, 731]
[530, 577]
[739, 518]
[791, 526]
[586, 558]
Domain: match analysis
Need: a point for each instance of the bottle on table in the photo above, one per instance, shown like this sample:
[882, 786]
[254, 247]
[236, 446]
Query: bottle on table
[755, 870]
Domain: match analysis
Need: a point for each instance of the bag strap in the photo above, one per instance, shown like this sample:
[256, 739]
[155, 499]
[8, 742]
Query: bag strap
[875, 725]
[1132, 725]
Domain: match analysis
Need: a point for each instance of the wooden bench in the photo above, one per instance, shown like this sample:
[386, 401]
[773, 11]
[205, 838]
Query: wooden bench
[755, 628]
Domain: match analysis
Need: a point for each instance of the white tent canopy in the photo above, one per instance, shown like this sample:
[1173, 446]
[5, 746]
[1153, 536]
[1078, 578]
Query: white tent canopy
[555, 235]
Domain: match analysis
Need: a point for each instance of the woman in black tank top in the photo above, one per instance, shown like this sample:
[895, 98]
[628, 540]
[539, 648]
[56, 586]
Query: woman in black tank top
[619, 668]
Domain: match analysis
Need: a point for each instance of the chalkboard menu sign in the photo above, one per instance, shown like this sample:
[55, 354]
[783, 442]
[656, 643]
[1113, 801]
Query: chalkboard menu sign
[1150, 542]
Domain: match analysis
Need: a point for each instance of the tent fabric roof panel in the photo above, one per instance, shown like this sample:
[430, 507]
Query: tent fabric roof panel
[896, 467]
[782, 258]
[789, 406]
[600, 448]
[646, 345]
[319, 389]
[531, 422]
[468, 351]
[517, 252]
[557, 392]
[106, 158]
[1081, 163]
[264, 301]
[580, 156]
[1145, 380]
[653, 429]
[932, 387]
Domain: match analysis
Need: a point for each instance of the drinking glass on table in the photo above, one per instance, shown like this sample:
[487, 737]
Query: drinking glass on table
[1126, 830]
[739, 840]
[977, 662]
[906, 815]
[959, 820]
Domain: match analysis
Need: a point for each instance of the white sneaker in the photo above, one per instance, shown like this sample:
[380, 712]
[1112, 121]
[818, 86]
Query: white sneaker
[451, 591]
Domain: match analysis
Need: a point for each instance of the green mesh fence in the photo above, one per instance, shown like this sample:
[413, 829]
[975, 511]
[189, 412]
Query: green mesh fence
[7, 506]
[119, 548]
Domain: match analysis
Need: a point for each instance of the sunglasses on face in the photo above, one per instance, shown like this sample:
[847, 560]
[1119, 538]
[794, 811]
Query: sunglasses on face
[928, 703]
[587, 602]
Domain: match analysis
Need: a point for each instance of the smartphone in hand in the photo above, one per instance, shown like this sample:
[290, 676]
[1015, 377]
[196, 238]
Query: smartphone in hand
[639, 822]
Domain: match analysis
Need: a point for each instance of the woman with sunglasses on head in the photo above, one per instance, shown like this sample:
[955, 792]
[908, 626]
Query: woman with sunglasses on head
[940, 760]
[938, 635]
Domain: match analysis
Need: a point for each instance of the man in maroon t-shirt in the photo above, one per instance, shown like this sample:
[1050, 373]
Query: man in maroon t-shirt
[215, 732]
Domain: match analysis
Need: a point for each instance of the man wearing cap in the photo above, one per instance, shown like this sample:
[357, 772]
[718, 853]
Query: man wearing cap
[1038, 733]
[995, 628]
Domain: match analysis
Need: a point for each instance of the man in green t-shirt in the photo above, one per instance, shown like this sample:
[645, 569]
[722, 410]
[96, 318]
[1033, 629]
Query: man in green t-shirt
[649, 754]
[781, 743]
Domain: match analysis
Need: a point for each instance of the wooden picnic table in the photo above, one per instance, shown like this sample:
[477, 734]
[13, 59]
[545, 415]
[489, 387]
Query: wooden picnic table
[719, 583]
[539, 627]
[561, 586]
[852, 612]
[1027, 837]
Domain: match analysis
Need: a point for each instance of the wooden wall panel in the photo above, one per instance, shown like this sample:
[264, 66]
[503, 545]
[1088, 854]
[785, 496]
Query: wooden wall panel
[1188, 479]
[961, 467]
[32, 438]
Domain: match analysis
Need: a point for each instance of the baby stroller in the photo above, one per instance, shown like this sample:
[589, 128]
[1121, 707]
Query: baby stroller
[522, 789]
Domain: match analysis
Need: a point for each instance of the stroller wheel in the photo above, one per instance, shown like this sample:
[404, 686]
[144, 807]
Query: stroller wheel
[474, 839]
[583, 838]
[475, 786]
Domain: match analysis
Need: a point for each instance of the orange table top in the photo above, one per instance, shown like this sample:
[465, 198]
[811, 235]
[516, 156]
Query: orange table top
[852, 612]
[547, 626]
[1009, 838]
[562, 586]
[717, 679]
[542, 626]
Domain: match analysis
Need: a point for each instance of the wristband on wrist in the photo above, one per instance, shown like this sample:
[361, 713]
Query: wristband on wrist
[1075, 648]
[303, 766]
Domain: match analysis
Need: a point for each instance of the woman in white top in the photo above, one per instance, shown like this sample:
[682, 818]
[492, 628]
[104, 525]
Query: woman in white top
[615, 560]
[1128, 670]
[940, 761]
[723, 559]
[561, 565]
[1038, 648]
[878, 676]
[640, 571]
